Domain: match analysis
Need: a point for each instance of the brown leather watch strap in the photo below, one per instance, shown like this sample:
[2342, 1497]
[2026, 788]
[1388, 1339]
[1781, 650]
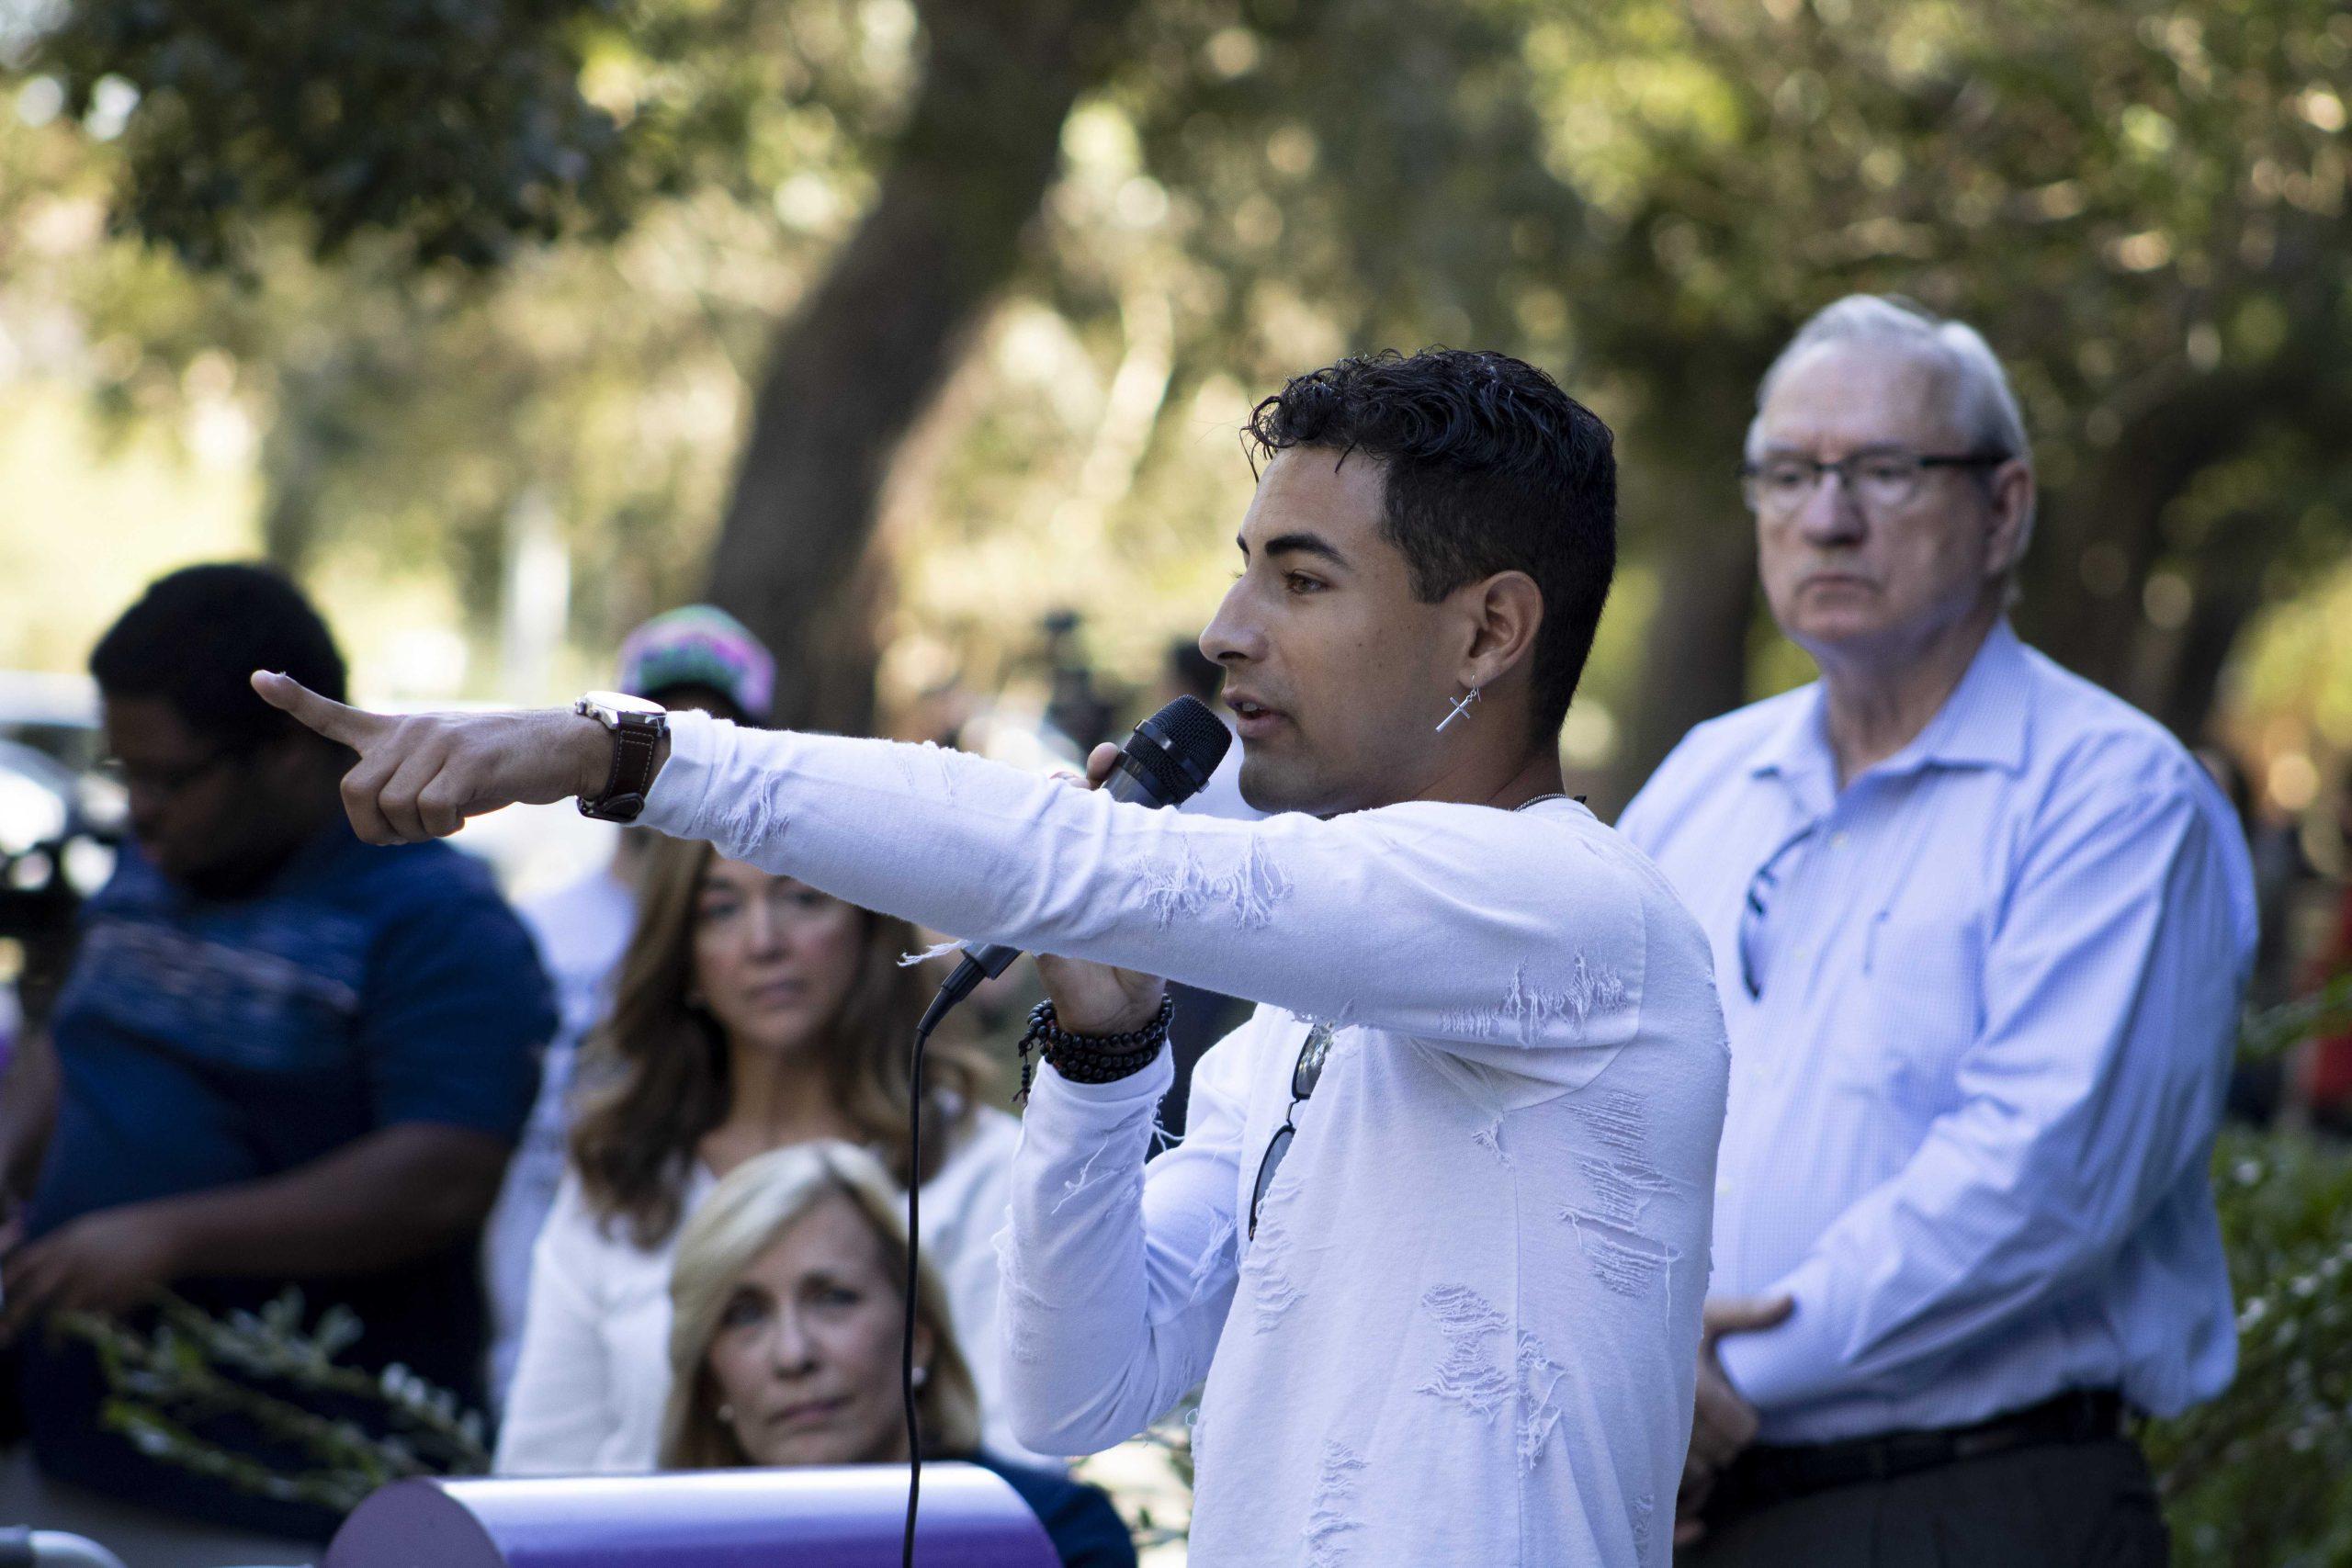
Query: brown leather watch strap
[636, 741]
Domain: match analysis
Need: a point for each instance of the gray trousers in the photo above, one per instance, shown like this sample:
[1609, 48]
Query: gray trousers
[2058, 1506]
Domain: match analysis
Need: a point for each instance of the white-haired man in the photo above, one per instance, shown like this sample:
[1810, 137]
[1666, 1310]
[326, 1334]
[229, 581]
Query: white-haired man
[1980, 932]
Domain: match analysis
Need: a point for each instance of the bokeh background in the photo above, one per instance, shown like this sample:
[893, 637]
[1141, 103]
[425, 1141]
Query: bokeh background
[898, 327]
[895, 327]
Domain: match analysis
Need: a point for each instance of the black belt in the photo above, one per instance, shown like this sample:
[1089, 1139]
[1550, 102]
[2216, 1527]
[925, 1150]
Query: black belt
[1763, 1476]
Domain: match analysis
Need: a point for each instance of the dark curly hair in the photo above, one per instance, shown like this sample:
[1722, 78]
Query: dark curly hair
[196, 636]
[1490, 466]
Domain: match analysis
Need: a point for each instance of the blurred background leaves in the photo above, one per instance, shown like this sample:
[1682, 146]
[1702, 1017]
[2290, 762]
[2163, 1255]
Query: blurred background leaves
[898, 325]
[894, 326]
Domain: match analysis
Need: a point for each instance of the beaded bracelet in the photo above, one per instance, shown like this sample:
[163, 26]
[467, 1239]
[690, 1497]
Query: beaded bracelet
[1091, 1058]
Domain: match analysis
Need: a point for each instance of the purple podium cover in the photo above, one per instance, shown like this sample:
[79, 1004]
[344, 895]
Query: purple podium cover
[812, 1517]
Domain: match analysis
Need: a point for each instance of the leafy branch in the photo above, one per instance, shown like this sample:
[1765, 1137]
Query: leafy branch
[193, 1369]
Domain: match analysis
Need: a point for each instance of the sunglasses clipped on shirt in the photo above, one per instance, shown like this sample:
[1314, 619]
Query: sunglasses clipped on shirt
[1753, 908]
[1304, 1074]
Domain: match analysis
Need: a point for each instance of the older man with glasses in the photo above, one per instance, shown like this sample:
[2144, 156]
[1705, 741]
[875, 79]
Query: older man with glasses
[1980, 933]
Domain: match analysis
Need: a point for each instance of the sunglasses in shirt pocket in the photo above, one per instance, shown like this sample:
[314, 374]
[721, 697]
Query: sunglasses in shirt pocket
[1923, 983]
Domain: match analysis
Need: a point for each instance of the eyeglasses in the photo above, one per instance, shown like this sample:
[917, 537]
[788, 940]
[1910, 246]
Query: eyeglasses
[1752, 911]
[1878, 480]
[166, 782]
[1304, 1074]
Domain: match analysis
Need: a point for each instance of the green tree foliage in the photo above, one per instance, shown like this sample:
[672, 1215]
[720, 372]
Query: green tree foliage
[2262, 1477]
[2143, 204]
[458, 127]
[200, 1392]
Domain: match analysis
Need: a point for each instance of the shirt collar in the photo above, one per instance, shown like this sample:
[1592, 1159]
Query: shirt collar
[1982, 724]
[1799, 743]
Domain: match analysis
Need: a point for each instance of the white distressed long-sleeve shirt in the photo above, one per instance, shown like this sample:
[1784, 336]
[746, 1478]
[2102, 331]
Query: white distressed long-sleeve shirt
[1466, 1328]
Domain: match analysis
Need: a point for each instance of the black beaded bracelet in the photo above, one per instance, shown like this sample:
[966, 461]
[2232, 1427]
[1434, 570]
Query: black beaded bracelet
[1091, 1058]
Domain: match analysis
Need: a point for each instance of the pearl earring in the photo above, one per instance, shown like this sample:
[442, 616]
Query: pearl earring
[1460, 707]
[923, 1376]
[727, 1413]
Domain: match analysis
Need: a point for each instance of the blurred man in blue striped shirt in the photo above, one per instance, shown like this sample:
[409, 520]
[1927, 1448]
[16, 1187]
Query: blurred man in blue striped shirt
[1980, 930]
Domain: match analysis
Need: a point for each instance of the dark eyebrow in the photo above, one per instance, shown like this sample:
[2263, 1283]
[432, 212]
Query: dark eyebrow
[826, 1278]
[1305, 545]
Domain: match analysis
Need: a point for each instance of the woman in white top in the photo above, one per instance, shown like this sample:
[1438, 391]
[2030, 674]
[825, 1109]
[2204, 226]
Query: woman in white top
[752, 1012]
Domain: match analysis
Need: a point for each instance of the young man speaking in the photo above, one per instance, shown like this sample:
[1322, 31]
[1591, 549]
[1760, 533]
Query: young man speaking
[1438, 1237]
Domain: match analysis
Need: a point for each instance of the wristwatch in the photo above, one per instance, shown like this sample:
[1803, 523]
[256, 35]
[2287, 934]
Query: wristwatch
[638, 726]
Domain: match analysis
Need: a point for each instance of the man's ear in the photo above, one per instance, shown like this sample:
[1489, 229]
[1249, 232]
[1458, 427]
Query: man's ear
[1502, 615]
[2012, 489]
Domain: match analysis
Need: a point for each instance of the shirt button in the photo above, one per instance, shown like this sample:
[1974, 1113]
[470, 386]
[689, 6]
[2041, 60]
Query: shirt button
[1838, 840]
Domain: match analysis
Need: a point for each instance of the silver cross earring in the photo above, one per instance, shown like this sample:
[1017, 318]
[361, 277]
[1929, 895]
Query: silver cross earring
[1461, 707]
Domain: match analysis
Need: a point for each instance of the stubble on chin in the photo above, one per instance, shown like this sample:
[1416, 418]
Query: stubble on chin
[1266, 785]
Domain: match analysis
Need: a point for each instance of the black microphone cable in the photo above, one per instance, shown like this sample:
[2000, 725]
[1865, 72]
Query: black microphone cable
[1165, 763]
[938, 1009]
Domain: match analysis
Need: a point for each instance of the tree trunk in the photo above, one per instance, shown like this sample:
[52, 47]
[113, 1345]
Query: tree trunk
[1694, 663]
[1680, 507]
[307, 433]
[2119, 504]
[875, 341]
[2190, 680]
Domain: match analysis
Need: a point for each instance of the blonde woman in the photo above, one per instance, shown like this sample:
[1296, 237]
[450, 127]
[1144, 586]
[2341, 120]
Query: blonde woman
[752, 1013]
[788, 1301]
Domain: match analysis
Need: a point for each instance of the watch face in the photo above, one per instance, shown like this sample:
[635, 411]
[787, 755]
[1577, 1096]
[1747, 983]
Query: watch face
[621, 702]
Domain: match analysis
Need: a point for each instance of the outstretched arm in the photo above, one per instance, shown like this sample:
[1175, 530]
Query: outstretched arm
[1543, 933]
[420, 775]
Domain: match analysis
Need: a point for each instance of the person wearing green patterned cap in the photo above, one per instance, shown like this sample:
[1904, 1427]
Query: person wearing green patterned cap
[700, 656]
[694, 657]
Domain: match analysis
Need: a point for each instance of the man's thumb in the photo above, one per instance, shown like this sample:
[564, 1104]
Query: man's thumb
[1742, 1315]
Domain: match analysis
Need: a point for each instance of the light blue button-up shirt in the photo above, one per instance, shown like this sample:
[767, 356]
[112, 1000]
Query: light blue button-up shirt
[1972, 1103]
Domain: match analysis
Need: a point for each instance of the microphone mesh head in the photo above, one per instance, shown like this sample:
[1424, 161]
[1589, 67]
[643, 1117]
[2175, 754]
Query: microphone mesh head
[1192, 737]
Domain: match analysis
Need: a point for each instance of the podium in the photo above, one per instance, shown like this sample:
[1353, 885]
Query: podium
[812, 1517]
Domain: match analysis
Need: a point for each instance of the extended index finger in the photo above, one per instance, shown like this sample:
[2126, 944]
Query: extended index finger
[347, 726]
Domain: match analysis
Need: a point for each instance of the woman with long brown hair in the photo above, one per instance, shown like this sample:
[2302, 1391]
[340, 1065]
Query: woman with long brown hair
[752, 1013]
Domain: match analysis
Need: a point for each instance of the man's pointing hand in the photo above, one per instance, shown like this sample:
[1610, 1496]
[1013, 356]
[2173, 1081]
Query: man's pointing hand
[420, 775]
